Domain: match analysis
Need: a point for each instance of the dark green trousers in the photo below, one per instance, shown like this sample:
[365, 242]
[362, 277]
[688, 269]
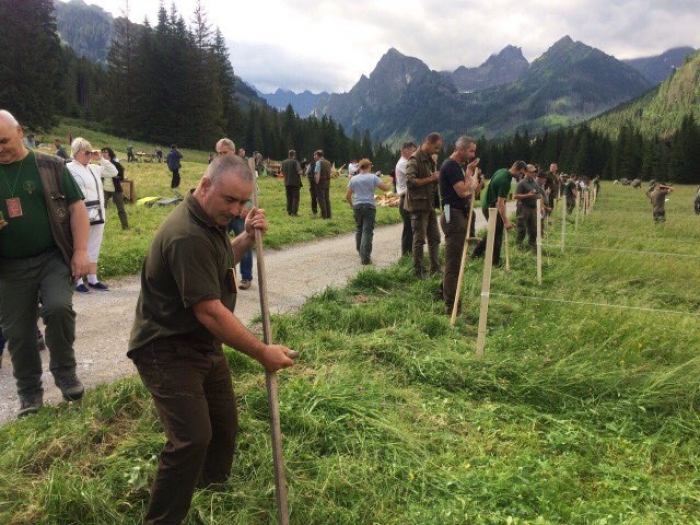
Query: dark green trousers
[21, 282]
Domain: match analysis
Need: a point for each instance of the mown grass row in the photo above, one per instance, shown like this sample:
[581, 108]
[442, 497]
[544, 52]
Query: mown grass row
[576, 414]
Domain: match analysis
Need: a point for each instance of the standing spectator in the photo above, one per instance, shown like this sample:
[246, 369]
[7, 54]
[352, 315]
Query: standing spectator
[36, 254]
[226, 147]
[173, 161]
[292, 182]
[360, 197]
[159, 154]
[658, 199]
[322, 175]
[113, 187]
[353, 168]
[89, 179]
[407, 150]
[552, 184]
[313, 187]
[421, 200]
[496, 195]
[541, 180]
[130, 154]
[241, 153]
[456, 187]
[526, 195]
[60, 150]
[570, 193]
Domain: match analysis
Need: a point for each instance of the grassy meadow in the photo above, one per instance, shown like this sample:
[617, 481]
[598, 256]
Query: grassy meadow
[577, 414]
[123, 251]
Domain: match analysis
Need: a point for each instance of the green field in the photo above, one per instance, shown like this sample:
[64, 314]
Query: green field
[123, 251]
[577, 414]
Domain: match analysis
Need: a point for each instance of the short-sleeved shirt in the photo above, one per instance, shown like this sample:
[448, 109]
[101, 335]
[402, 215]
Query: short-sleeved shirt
[363, 185]
[524, 187]
[450, 174]
[30, 234]
[499, 186]
[190, 260]
[401, 175]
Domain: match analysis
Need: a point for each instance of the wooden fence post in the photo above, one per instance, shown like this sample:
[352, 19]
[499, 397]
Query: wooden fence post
[563, 224]
[539, 241]
[486, 283]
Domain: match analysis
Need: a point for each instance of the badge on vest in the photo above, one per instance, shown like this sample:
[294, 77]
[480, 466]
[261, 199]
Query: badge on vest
[14, 207]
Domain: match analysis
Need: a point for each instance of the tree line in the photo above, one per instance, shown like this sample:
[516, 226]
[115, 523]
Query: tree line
[174, 82]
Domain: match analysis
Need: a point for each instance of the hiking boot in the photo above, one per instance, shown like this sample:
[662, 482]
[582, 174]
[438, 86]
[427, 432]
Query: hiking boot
[30, 404]
[245, 284]
[70, 386]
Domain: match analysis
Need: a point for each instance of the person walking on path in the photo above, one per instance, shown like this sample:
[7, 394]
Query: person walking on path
[322, 174]
[173, 161]
[526, 195]
[44, 231]
[183, 316]
[113, 187]
[421, 200]
[360, 197]
[226, 147]
[291, 170]
[89, 179]
[407, 150]
[496, 195]
[456, 187]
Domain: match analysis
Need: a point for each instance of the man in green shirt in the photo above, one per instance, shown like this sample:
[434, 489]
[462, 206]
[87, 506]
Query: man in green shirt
[36, 255]
[496, 195]
[183, 315]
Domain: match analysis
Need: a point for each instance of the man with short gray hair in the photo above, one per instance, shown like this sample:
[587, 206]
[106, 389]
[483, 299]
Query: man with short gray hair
[291, 169]
[183, 315]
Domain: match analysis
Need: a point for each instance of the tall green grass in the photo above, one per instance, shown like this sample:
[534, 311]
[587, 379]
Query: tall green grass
[577, 414]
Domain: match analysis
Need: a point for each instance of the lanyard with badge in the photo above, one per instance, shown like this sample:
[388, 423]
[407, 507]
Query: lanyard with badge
[14, 205]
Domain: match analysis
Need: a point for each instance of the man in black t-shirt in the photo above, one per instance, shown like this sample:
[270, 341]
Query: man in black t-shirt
[456, 188]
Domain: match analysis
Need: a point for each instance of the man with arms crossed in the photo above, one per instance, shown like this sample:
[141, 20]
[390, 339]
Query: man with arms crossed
[421, 201]
[183, 315]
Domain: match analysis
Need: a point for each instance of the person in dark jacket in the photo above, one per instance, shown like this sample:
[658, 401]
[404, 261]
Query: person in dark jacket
[173, 161]
[113, 187]
[291, 169]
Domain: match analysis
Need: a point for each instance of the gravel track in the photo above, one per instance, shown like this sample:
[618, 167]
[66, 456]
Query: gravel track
[294, 273]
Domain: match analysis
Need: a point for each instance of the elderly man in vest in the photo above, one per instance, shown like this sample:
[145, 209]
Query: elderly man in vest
[421, 200]
[44, 230]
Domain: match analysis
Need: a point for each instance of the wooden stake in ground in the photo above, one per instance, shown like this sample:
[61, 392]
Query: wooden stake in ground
[505, 241]
[271, 381]
[563, 224]
[578, 209]
[539, 241]
[458, 292]
[486, 283]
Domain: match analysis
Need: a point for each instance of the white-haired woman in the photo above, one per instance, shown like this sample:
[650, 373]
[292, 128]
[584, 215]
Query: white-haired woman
[89, 178]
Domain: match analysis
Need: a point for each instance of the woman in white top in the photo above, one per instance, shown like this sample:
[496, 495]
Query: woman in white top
[89, 178]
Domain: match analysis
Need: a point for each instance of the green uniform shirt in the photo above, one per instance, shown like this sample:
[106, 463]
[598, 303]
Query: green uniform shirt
[499, 186]
[190, 260]
[30, 234]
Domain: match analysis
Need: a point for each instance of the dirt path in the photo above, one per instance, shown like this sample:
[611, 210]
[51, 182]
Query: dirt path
[294, 274]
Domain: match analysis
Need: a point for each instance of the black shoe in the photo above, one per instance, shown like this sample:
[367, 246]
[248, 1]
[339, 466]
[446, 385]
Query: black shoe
[30, 404]
[70, 386]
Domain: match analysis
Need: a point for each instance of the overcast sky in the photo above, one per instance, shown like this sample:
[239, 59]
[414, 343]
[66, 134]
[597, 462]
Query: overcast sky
[326, 45]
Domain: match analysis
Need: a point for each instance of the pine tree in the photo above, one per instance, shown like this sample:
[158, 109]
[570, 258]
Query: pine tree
[30, 72]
